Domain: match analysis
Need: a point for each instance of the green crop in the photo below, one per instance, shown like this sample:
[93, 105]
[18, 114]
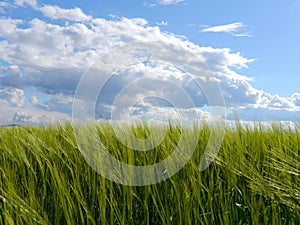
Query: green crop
[255, 179]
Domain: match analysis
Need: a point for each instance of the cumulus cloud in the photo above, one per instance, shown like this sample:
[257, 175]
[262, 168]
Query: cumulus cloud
[22, 117]
[11, 76]
[34, 100]
[296, 99]
[59, 102]
[280, 102]
[13, 96]
[55, 12]
[221, 58]
[51, 57]
[146, 86]
[4, 6]
[37, 117]
[232, 28]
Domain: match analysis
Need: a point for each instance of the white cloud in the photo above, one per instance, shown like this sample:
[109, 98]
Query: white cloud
[32, 3]
[13, 96]
[22, 117]
[280, 102]
[55, 12]
[12, 114]
[164, 2]
[247, 34]
[232, 28]
[12, 76]
[51, 58]
[4, 6]
[162, 23]
[34, 100]
[218, 58]
[296, 99]
[37, 117]
[9, 26]
[229, 28]
[58, 102]
[169, 2]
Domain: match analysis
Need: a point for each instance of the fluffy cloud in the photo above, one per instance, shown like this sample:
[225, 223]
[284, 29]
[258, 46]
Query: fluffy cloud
[296, 99]
[146, 86]
[13, 96]
[11, 76]
[34, 100]
[279, 102]
[22, 117]
[55, 12]
[59, 102]
[220, 60]
[51, 58]
[4, 6]
[37, 117]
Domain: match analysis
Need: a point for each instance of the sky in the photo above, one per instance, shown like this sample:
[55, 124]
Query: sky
[250, 47]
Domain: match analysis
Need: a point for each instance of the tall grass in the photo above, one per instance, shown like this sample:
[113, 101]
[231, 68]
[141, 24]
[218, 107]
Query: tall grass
[255, 179]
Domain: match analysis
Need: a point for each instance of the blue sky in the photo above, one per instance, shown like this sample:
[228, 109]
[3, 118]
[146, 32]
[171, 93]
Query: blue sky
[273, 25]
[252, 46]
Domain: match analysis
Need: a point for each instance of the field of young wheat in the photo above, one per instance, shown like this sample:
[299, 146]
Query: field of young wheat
[255, 179]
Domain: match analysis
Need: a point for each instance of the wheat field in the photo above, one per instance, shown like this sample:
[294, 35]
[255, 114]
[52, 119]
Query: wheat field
[255, 179]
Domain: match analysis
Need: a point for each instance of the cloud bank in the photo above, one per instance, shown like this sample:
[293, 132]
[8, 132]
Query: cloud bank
[43, 59]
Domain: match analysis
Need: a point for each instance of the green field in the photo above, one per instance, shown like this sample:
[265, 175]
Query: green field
[255, 179]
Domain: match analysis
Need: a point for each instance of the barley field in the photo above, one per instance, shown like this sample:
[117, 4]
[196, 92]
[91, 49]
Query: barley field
[255, 179]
